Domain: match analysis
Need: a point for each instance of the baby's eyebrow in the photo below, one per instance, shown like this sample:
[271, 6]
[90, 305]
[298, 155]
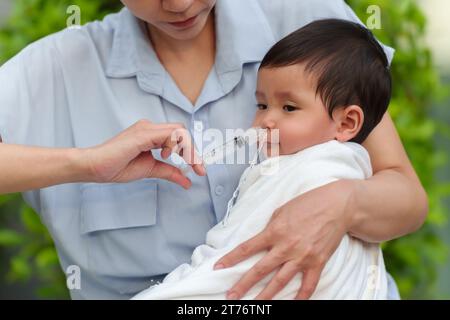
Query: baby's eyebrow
[284, 94]
[259, 94]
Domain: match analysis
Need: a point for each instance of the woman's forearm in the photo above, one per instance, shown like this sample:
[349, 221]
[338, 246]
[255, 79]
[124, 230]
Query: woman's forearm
[392, 202]
[124, 158]
[25, 168]
[388, 205]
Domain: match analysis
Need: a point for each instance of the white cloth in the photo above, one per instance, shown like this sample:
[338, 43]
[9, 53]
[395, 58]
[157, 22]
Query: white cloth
[355, 271]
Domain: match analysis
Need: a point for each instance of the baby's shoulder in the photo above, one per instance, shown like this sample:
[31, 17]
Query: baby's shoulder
[334, 156]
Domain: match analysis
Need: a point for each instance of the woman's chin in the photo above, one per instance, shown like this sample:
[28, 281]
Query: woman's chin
[185, 33]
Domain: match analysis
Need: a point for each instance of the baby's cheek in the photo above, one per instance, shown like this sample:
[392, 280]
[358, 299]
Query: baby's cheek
[295, 138]
[256, 120]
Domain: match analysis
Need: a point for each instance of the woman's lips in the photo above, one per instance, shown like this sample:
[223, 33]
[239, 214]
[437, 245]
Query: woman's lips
[184, 24]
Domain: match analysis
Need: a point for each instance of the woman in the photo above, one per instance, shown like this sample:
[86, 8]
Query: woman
[175, 63]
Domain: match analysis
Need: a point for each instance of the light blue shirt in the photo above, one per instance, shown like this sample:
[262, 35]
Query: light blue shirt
[80, 87]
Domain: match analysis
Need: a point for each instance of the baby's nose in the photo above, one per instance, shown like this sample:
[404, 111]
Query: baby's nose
[268, 123]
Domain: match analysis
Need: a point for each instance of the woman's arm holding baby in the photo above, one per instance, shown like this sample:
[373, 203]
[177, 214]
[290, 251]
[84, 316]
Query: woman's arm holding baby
[393, 202]
[304, 233]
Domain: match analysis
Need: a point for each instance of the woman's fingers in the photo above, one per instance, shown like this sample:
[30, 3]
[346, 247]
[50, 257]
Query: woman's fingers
[173, 139]
[172, 143]
[127, 156]
[168, 172]
[151, 138]
[186, 149]
[259, 271]
[166, 152]
[245, 250]
[147, 124]
[279, 281]
[310, 279]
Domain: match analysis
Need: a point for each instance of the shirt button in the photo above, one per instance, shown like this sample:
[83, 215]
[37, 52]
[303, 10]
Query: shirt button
[219, 190]
[198, 126]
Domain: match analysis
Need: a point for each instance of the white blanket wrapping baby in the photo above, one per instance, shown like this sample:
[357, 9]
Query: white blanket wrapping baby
[356, 269]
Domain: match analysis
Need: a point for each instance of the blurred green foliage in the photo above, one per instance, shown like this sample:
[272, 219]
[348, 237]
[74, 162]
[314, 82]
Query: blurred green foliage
[27, 240]
[413, 260]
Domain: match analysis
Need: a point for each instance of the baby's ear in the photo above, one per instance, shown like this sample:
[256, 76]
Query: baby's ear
[349, 121]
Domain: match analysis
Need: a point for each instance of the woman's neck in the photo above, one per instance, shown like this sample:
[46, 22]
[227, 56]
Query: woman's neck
[188, 62]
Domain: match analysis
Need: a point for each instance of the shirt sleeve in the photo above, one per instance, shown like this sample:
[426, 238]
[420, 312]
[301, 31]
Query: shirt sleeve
[32, 96]
[14, 97]
[33, 101]
[286, 16]
[351, 16]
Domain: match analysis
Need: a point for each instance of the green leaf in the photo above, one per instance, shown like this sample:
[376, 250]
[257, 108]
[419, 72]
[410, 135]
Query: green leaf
[20, 269]
[9, 238]
[46, 258]
[31, 220]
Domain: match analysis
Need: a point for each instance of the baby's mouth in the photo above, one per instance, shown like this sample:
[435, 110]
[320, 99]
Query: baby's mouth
[271, 149]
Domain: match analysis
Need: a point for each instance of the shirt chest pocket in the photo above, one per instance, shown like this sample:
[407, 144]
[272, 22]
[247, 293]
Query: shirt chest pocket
[118, 206]
[119, 225]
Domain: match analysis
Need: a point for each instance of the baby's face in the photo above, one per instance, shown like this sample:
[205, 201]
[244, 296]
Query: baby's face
[287, 101]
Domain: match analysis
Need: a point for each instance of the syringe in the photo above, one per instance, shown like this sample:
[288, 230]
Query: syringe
[248, 138]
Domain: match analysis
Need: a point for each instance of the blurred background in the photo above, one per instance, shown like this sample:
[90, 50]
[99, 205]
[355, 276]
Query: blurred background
[420, 32]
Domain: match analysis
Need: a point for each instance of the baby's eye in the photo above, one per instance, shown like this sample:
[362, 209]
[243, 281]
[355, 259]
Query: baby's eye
[289, 108]
[261, 106]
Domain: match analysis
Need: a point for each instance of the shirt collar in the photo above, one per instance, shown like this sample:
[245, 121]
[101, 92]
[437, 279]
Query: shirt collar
[132, 53]
[243, 36]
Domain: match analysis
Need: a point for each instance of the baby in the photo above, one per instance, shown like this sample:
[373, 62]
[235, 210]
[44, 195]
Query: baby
[323, 89]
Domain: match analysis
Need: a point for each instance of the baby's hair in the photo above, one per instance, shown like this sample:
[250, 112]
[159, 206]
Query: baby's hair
[348, 63]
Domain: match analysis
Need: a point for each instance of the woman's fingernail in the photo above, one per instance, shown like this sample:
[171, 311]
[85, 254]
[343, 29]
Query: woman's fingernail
[232, 295]
[188, 185]
[219, 266]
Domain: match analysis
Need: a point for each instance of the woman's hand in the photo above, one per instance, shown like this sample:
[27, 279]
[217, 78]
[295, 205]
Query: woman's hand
[128, 156]
[300, 237]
